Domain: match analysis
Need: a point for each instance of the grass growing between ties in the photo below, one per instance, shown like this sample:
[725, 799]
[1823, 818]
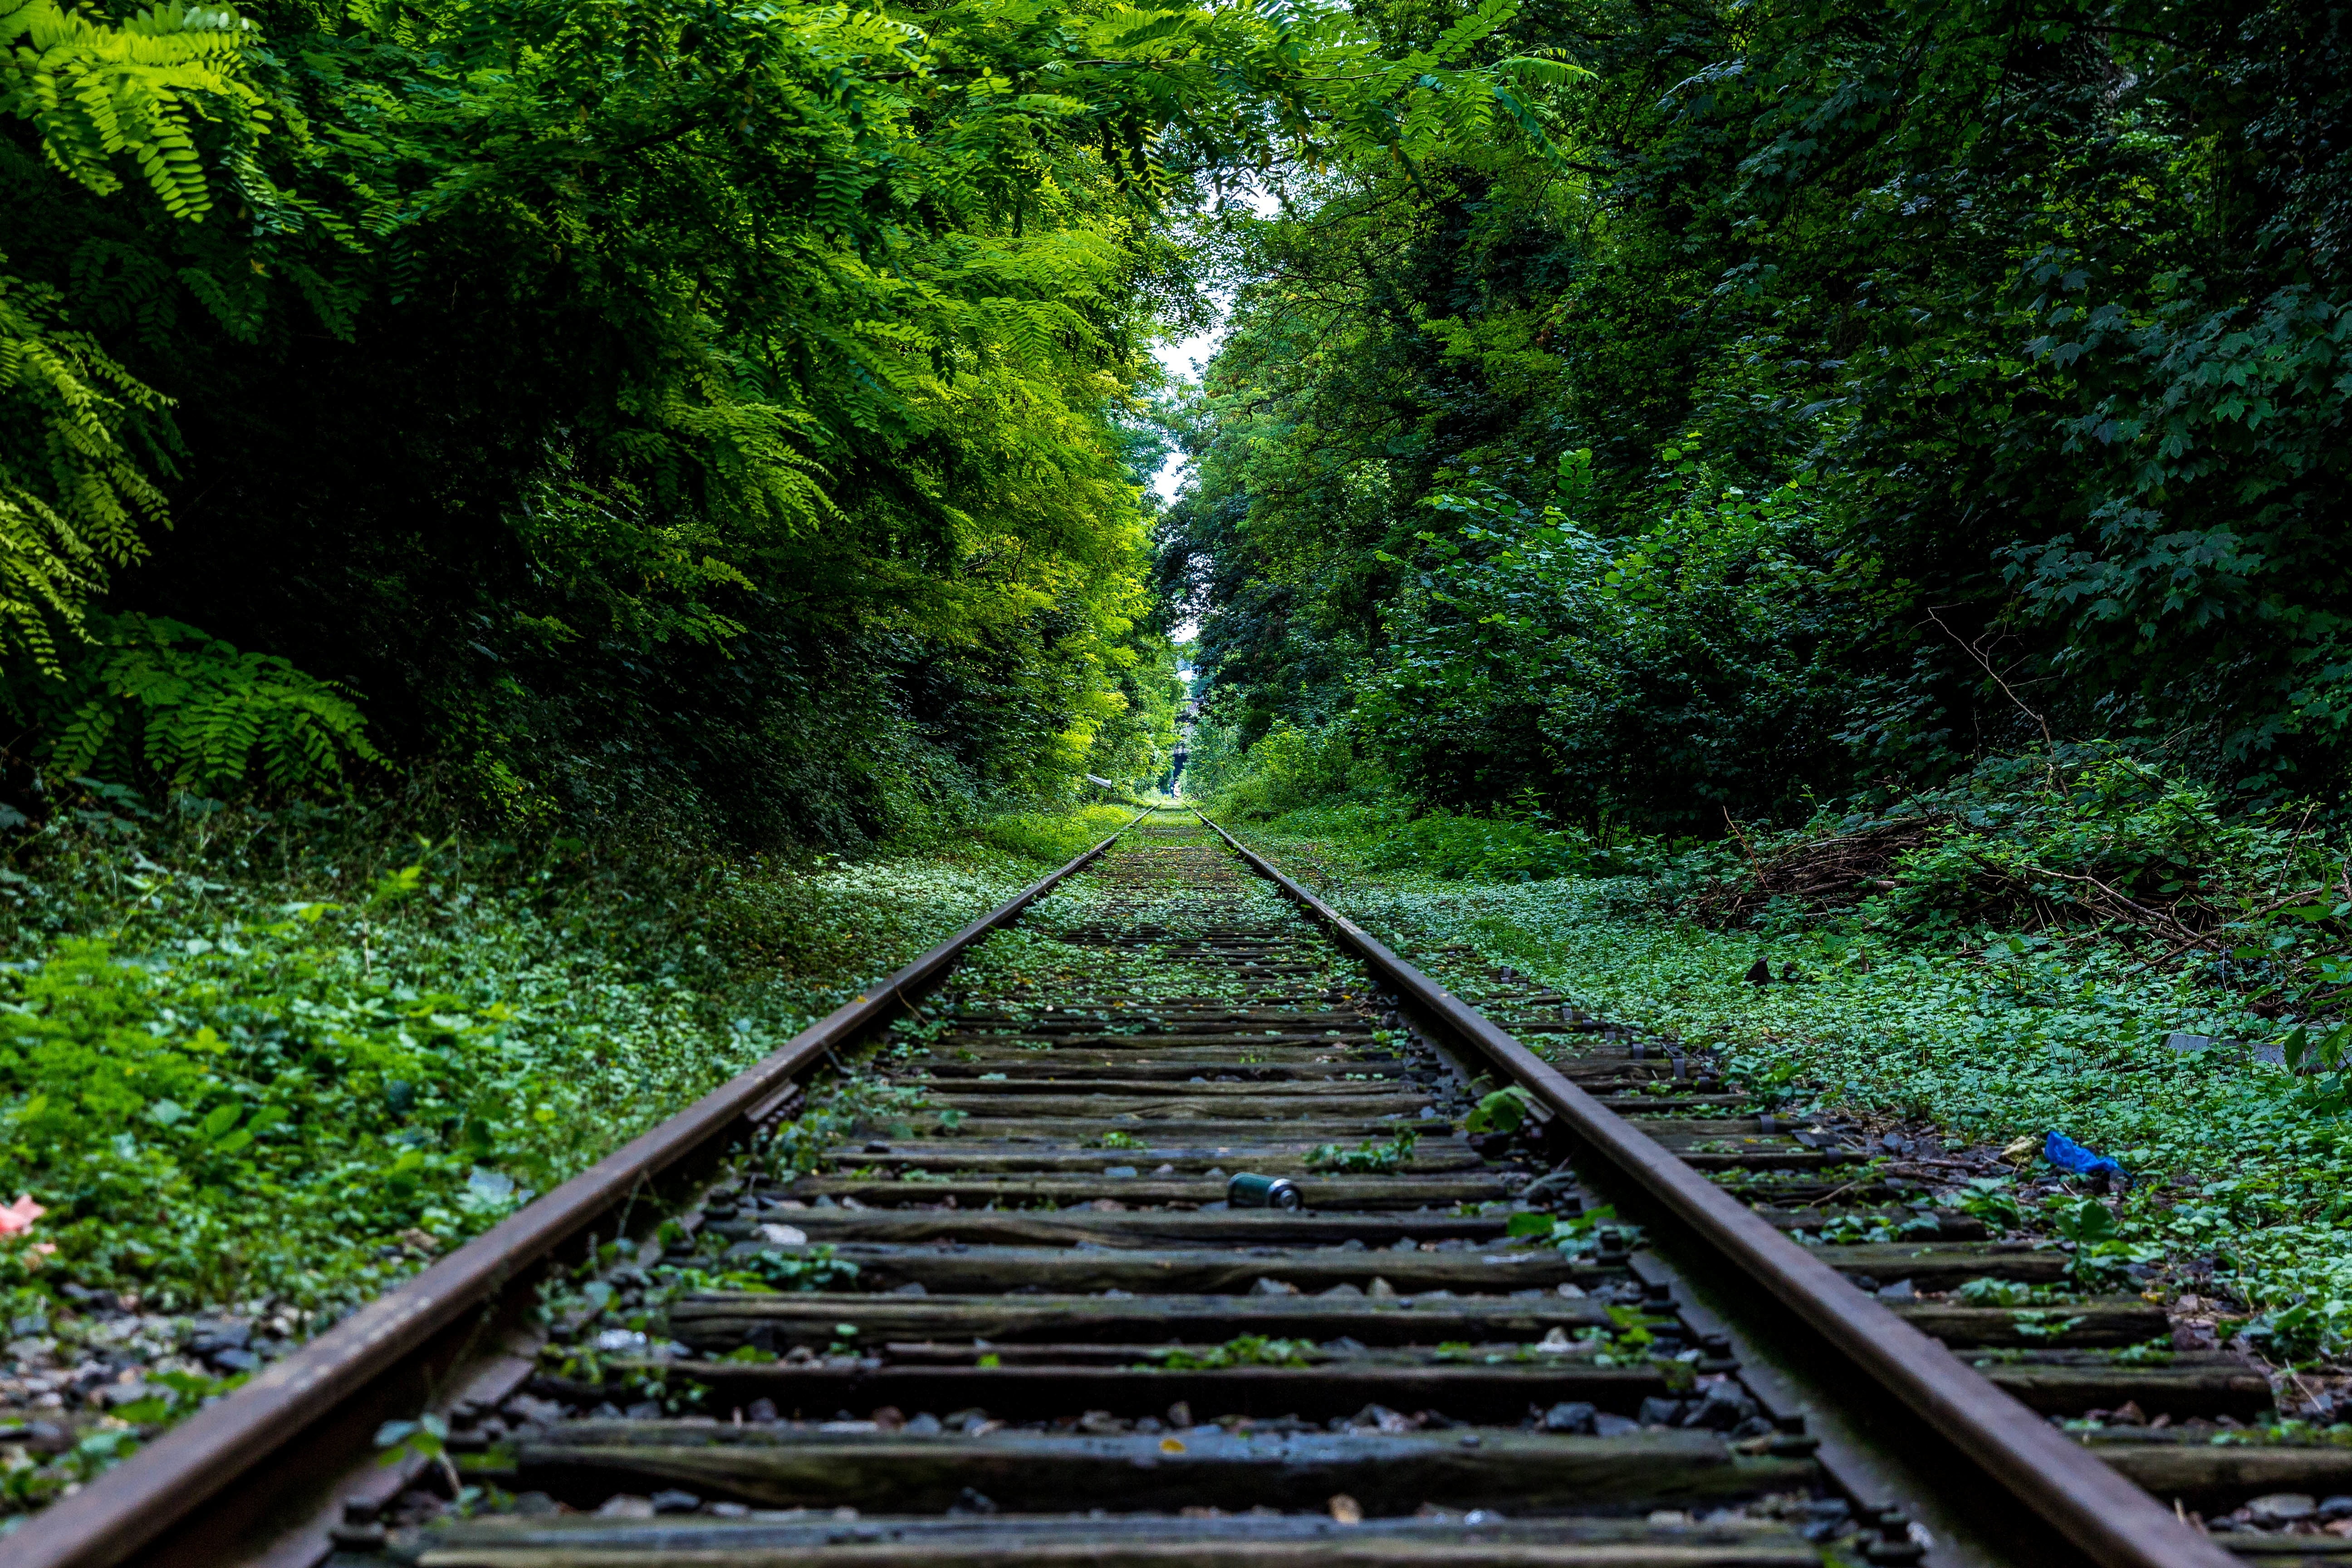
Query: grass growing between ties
[1977, 976]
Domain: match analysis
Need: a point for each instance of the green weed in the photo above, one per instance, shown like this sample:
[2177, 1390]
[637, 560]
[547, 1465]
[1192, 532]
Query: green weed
[293, 1056]
[1373, 1155]
[1249, 1350]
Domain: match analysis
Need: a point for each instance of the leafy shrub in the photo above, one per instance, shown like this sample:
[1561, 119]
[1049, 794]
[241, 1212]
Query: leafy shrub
[1483, 848]
[2098, 834]
[158, 701]
[71, 485]
[1391, 832]
[1053, 837]
[1503, 1110]
[1292, 767]
[2088, 844]
[70, 492]
[2304, 1328]
[93, 1076]
[1988, 1199]
[1646, 680]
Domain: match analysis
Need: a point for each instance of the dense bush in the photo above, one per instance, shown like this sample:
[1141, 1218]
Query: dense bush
[1482, 849]
[2090, 846]
[1706, 663]
[2042, 308]
[1051, 837]
[153, 699]
[1388, 833]
[1291, 767]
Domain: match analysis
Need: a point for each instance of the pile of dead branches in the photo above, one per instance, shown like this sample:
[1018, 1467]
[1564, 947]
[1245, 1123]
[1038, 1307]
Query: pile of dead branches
[1832, 871]
[2193, 919]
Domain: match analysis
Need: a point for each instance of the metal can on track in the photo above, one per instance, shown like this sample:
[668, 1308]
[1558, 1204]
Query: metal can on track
[1251, 1192]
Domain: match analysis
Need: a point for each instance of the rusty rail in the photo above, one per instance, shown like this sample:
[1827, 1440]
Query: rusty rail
[131, 1507]
[2113, 1521]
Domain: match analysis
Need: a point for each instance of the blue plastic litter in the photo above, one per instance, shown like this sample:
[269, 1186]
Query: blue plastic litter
[2068, 1156]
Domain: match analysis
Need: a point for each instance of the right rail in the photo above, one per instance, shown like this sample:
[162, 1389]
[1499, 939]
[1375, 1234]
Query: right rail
[2112, 1521]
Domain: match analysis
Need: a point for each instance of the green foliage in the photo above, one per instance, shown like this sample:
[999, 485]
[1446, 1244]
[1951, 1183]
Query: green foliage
[245, 1056]
[427, 1438]
[799, 1146]
[1290, 768]
[1707, 658]
[1574, 1234]
[1373, 1155]
[2084, 1221]
[97, 91]
[1505, 1110]
[2322, 1058]
[1052, 839]
[1392, 833]
[158, 701]
[724, 416]
[2101, 1250]
[2034, 1326]
[1249, 1350]
[816, 1268]
[2088, 844]
[70, 491]
[1991, 1292]
[1483, 848]
[2058, 389]
[1988, 1199]
[73, 485]
[2113, 826]
[2303, 1330]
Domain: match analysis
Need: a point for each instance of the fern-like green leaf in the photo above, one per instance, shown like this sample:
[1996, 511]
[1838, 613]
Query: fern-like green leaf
[157, 698]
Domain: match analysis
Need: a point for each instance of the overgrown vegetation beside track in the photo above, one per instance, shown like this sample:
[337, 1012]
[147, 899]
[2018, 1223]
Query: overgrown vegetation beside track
[255, 1068]
[2088, 944]
[282, 1059]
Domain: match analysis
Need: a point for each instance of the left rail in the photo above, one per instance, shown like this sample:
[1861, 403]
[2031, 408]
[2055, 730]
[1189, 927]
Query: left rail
[264, 1464]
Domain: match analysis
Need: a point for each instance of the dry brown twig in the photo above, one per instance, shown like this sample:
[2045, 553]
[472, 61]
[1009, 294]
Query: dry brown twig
[2270, 909]
[2048, 740]
[1745, 848]
[2140, 912]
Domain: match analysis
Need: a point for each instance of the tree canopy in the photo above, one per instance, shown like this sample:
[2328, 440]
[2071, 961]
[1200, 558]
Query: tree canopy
[726, 410]
[1953, 377]
[738, 412]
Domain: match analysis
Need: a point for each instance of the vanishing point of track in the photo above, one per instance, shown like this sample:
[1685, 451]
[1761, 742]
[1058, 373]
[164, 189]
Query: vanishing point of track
[1061, 1313]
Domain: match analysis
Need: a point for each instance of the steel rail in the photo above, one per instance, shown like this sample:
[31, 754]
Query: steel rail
[2110, 1520]
[130, 1506]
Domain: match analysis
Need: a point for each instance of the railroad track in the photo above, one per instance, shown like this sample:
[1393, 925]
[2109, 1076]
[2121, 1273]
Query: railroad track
[1025, 1286]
